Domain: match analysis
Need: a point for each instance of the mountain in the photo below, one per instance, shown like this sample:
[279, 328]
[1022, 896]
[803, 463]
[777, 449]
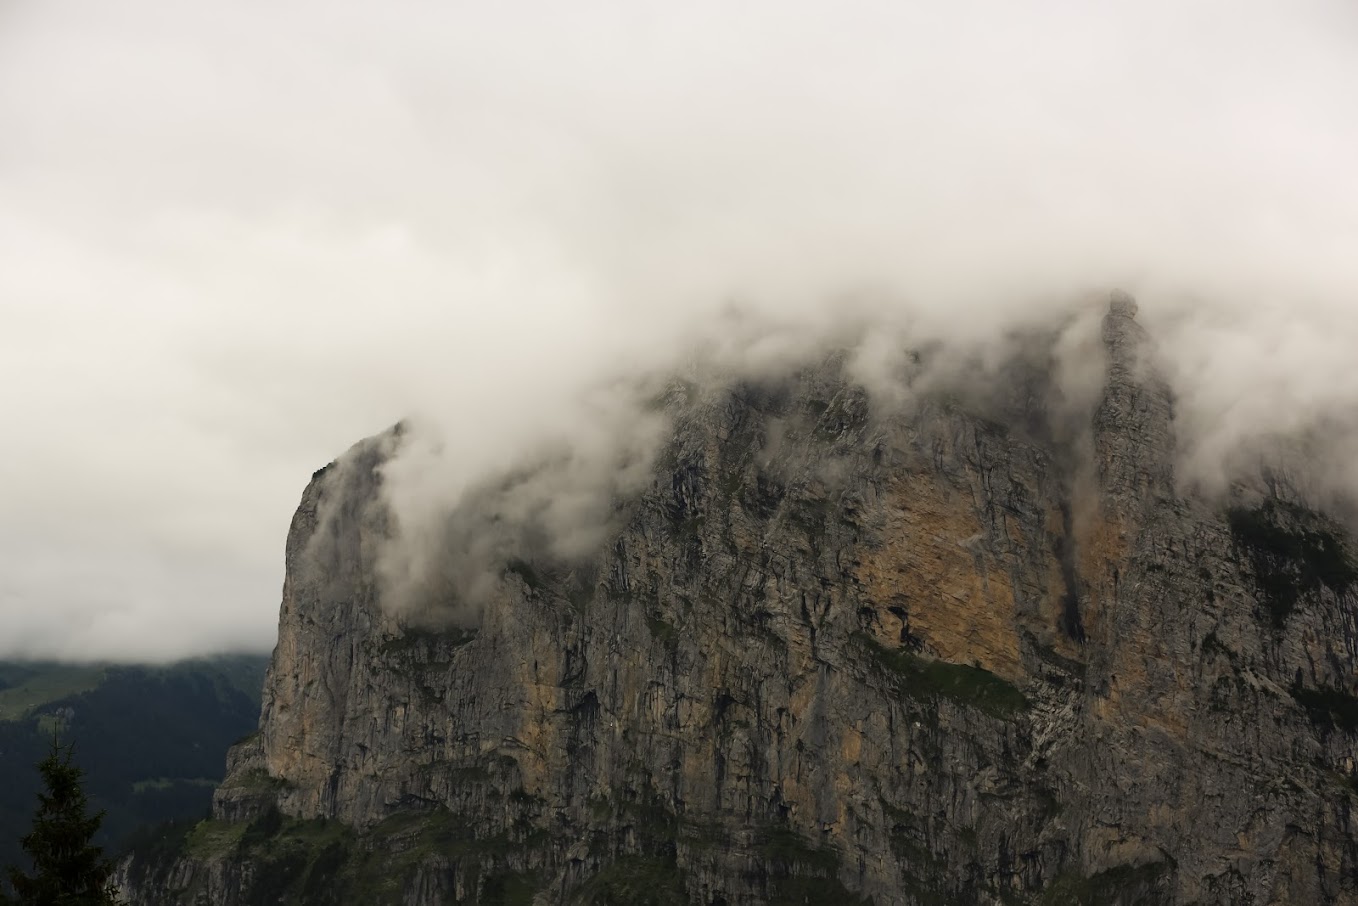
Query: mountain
[979, 647]
[152, 740]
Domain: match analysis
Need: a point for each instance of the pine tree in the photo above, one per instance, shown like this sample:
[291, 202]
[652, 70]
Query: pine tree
[68, 870]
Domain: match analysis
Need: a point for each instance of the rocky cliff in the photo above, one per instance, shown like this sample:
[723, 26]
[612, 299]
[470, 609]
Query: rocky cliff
[964, 650]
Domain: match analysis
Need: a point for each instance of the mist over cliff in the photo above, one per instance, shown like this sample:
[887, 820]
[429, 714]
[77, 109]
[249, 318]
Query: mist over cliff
[235, 238]
[565, 488]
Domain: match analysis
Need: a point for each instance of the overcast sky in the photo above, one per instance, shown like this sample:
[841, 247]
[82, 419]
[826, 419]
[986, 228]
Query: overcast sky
[236, 237]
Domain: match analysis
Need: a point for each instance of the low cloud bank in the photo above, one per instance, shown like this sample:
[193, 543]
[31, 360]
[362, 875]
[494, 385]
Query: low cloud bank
[233, 239]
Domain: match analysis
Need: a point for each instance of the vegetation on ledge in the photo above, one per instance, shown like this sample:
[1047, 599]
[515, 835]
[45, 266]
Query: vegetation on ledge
[329, 863]
[1130, 884]
[971, 687]
[635, 881]
[1329, 708]
[1293, 552]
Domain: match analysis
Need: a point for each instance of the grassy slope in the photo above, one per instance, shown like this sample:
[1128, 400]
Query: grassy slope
[26, 686]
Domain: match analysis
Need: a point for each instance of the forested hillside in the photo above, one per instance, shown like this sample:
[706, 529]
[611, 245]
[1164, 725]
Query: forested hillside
[153, 740]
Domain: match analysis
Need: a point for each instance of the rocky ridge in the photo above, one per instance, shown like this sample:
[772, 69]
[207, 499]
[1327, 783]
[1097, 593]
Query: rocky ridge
[963, 652]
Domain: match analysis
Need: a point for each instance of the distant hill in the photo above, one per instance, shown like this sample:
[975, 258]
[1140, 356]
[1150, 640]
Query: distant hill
[152, 740]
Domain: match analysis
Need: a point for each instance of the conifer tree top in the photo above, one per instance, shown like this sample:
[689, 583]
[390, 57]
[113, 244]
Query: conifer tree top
[67, 868]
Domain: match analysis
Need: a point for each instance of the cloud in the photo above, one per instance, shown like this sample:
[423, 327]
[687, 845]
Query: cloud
[233, 239]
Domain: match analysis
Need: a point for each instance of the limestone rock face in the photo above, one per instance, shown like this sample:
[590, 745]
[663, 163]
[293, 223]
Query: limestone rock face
[945, 654]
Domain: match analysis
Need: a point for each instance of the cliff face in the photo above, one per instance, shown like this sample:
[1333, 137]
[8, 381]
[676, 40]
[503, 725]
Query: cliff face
[956, 653]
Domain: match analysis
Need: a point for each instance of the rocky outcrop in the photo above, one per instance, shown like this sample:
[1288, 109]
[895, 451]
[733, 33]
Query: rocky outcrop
[947, 654]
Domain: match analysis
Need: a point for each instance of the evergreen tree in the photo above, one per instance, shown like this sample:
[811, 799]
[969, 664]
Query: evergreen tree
[68, 870]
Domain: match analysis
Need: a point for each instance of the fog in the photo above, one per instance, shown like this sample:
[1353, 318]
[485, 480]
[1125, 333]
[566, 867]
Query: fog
[235, 238]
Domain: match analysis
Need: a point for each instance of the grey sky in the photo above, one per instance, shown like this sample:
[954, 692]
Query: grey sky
[236, 237]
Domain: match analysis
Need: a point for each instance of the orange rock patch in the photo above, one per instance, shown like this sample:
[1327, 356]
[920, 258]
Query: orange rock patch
[958, 602]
